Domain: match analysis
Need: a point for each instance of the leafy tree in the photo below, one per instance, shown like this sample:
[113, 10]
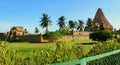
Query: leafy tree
[72, 25]
[80, 25]
[52, 36]
[61, 23]
[102, 27]
[101, 35]
[45, 21]
[36, 30]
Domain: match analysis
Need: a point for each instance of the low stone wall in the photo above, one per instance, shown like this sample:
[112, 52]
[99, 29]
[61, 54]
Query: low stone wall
[39, 38]
[74, 37]
[32, 38]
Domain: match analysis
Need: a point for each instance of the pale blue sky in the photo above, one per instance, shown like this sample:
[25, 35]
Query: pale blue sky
[27, 13]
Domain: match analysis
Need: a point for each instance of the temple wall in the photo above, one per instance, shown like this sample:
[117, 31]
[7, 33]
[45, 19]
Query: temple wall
[76, 36]
[39, 38]
[32, 38]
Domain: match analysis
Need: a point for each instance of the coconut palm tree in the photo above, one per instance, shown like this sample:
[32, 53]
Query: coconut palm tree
[45, 21]
[89, 22]
[80, 25]
[36, 30]
[89, 25]
[72, 25]
[61, 23]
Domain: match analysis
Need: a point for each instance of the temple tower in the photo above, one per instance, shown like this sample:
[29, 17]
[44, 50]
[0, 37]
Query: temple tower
[101, 19]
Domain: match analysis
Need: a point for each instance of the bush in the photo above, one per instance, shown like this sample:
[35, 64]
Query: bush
[52, 36]
[118, 40]
[78, 50]
[101, 35]
[103, 48]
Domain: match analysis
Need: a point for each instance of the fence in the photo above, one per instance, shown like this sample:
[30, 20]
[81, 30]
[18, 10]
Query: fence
[84, 61]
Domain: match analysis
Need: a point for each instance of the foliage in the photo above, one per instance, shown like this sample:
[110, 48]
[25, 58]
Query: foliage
[60, 53]
[80, 25]
[52, 36]
[100, 35]
[118, 40]
[61, 23]
[42, 57]
[36, 30]
[72, 25]
[101, 48]
[78, 50]
[89, 23]
[66, 31]
[45, 21]
[102, 27]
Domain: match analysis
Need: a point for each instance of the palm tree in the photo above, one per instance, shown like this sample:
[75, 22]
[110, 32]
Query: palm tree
[89, 22]
[36, 30]
[89, 25]
[72, 25]
[80, 25]
[45, 21]
[61, 23]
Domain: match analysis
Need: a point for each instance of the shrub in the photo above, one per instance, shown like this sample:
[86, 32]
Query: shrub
[101, 35]
[78, 50]
[52, 36]
[103, 48]
[118, 40]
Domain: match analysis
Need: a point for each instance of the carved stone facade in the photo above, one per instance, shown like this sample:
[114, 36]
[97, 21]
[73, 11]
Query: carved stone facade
[101, 19]
[16, 31]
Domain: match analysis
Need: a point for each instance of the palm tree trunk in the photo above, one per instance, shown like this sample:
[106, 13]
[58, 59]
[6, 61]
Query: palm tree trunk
[72, 31]
[47, 29]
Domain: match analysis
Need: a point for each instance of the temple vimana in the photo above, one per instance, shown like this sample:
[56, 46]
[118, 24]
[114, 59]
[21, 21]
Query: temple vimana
[98, 20]
[21, 34]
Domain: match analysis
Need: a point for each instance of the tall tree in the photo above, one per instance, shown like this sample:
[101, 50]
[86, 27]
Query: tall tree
[72, 25]
[45, 21]
[80, 25]
[89, 25]
[61, 23]
[36, 30]
[89, 22]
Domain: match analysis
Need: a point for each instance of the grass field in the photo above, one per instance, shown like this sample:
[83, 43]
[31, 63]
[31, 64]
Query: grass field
[23, 52]
[26, 46]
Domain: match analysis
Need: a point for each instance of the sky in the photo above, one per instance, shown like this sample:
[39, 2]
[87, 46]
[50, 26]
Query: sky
[27, 13]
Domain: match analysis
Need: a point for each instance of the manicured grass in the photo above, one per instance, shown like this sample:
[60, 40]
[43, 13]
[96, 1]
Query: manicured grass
[26, 46]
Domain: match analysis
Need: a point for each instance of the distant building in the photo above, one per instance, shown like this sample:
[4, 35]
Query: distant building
[101, 19]
[16, 31]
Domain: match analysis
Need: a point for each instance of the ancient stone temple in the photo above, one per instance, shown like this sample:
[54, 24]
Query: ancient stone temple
[16, 31]
[101, 19]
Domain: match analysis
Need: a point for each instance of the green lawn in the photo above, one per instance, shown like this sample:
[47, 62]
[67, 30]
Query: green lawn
[22, 52]
[26, 46]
